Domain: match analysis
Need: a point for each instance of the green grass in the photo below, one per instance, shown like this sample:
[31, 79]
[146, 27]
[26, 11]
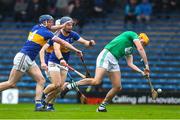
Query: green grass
[78, 111]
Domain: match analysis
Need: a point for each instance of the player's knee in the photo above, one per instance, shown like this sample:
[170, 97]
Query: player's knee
[95, 82]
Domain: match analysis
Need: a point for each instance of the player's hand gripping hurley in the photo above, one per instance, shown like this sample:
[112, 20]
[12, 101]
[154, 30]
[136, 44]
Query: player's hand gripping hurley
[153, 92]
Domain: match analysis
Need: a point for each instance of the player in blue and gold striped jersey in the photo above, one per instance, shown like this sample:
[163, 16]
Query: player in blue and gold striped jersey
[24, 61]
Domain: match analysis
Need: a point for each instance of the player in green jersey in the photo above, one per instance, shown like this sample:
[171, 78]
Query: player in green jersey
[107, 62]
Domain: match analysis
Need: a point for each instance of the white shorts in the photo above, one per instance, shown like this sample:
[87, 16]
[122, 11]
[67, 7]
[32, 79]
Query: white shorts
[23, 62]
[56, 67]
[106, 60]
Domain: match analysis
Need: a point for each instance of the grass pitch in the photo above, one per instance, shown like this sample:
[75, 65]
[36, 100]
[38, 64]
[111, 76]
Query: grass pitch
[78, 111]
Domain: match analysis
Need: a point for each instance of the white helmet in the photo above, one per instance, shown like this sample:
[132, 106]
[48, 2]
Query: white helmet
[58, 22]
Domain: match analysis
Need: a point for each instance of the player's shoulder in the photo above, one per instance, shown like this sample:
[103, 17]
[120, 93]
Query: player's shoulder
[39, 28]
[74, 33]
[35, 27]
[44, 31]
[130, 33]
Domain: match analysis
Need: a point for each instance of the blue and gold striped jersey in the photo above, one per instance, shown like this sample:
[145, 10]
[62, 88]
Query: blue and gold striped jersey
[38, 36]
[72, 37]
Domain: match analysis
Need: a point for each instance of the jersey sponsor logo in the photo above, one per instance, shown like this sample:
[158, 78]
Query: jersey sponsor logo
[128, 51]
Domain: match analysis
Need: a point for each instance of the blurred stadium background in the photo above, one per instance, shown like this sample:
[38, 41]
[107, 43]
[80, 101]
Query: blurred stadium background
[101, 20]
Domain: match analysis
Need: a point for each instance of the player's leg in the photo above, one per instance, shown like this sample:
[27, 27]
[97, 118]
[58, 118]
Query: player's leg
[52, 67]
[93, 81]
[49, 101]
[14, 77]
[36, 74]
[101, 68]
[55, 74]
[16, 73]
[115, 78]
[87, 81]
[50, 87]
[63, 78]
[56, 83]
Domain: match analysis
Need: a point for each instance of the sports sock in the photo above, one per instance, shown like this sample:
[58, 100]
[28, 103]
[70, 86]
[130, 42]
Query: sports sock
[103, 105]
[72, 85]
[38, 102]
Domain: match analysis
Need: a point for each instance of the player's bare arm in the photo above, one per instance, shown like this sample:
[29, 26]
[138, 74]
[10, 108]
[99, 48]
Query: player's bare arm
[87, 43]
[66, 44]
[58, 53]
[58, 26]
[142, 53]
[129, 60]
[42, 54]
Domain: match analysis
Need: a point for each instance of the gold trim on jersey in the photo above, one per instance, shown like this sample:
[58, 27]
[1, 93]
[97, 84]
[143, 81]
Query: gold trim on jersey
[64, 50]
[50, 49]
[37, 38]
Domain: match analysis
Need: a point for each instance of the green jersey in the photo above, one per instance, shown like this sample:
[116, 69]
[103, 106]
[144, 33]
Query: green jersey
[123, 44]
